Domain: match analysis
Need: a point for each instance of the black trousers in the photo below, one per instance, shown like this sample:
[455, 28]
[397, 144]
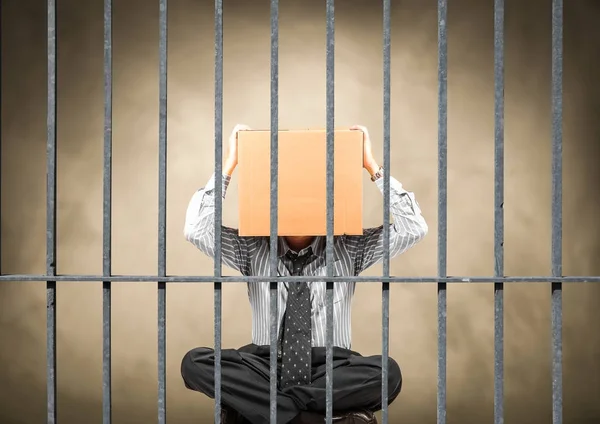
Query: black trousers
[245, 384]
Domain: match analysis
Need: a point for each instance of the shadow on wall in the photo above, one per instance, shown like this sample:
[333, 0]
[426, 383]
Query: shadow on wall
[302, 104]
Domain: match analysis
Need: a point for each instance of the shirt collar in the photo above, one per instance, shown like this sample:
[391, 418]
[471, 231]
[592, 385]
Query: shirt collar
[318, 247]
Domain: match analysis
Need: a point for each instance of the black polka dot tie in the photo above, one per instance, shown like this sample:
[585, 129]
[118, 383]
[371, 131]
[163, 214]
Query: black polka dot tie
[297, 335]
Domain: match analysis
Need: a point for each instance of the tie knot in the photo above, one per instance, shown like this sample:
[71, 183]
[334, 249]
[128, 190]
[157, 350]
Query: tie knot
[294, 257]
[298, 261]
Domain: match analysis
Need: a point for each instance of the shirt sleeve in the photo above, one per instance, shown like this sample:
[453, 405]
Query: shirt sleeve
[199, 229]
[406, 230]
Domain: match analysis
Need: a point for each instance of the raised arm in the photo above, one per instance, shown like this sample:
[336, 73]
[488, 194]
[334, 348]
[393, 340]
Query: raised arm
[408, 226]
[199, 228]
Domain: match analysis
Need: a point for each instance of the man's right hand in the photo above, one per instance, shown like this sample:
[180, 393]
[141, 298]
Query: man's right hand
[232, 149]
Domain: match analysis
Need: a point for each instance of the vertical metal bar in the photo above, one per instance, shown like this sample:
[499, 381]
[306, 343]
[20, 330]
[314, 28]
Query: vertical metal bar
[442, 203]
[499, 210]
[51, 216]
[385, 287]
[330, 118]
[162, 212]
[218, 197]
[557, 115]
[107, 219]
[274, 206]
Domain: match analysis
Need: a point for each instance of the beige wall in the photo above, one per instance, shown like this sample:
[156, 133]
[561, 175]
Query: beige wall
[302, 104]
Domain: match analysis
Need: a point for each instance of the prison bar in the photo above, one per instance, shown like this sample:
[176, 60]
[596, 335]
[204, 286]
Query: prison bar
[162, 211]
[273, 246]
[218, 199]
[284, 279]
[556, 250]
[51, 216]
[385, 287]
[442, 205]
[498, 211]
[330, 122]
[107, 219]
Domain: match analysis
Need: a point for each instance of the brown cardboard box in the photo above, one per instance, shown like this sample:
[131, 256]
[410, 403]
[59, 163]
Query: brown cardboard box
[302, 182]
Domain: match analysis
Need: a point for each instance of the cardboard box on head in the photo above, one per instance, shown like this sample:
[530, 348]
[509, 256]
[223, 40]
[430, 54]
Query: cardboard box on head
[302, 190]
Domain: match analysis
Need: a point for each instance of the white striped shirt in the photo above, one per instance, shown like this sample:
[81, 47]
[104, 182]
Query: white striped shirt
[352, 255]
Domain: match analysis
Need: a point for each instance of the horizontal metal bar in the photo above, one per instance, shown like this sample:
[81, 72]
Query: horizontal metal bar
[244, 279]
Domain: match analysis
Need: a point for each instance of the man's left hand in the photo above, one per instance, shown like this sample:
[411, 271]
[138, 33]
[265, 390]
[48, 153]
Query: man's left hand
[369, 163]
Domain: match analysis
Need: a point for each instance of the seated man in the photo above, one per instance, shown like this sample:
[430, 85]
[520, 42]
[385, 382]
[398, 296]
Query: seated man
[301, 359]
